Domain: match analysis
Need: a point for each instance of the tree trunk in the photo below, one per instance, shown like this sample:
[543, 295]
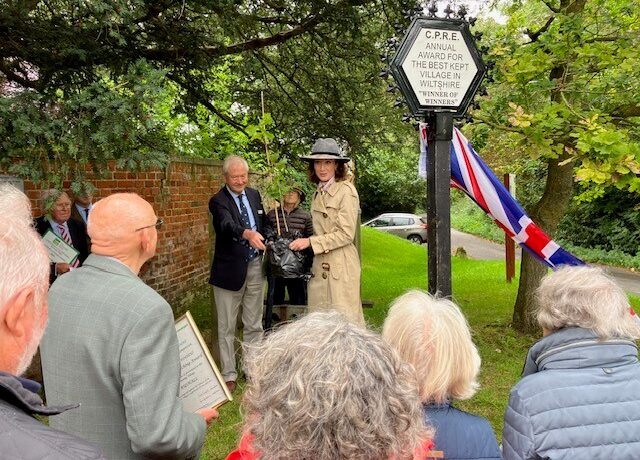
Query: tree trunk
[531, 272]
[553, 204]
[547, 214]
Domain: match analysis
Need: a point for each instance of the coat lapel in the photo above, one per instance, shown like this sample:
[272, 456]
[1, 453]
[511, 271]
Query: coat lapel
[318, 203]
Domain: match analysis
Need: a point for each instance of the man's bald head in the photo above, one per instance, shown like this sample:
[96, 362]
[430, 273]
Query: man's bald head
[114, 222]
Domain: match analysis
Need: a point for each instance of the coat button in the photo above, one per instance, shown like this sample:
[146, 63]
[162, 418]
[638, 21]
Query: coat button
[324, 214]
[324, 275]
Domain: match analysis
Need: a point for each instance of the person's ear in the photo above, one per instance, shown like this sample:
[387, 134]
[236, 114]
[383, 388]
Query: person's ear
[146, 240]
[16, 313]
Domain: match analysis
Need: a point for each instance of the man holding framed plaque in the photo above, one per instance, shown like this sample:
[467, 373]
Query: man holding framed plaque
[111, 344]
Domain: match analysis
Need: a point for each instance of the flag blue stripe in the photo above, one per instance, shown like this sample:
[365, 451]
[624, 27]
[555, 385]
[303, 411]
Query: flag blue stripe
[510, 206]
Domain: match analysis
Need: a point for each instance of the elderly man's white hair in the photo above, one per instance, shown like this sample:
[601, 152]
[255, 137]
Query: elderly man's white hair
[48, 199]
[585, 297]
[15, 204]
[325, 389]
[231, 160]
[23, 258]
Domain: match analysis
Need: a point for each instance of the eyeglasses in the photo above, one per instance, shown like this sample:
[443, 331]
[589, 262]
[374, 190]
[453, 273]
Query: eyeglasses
[158, 224]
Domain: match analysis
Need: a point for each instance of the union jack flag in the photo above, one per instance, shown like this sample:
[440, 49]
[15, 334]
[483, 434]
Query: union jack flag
[471, 175]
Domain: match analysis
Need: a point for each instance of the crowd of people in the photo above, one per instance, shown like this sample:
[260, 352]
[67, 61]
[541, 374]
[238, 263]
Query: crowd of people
[321, 387]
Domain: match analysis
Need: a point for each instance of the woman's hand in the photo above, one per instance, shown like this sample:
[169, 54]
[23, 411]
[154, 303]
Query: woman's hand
[299, 244]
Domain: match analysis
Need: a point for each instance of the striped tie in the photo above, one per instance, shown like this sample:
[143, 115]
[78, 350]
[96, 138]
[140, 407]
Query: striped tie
[65, 236]
[244, 216]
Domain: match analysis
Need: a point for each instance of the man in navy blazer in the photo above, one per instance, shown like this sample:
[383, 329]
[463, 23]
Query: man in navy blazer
[236, 272]
[57, 218]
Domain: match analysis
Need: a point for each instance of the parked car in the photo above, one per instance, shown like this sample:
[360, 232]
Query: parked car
[409, 226]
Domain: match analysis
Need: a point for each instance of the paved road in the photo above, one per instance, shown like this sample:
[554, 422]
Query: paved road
[479, 248]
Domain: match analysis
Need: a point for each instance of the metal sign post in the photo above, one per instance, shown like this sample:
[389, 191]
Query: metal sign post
[438, 70]
[439, 205]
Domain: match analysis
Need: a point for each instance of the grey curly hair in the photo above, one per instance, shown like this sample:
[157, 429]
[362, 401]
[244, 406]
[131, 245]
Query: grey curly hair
[585, 297]
[322, 388]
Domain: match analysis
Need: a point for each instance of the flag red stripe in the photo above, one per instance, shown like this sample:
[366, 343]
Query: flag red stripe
[537, 239]
[477, 192]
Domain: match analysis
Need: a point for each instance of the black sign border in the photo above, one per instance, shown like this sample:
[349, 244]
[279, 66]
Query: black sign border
[417, 25]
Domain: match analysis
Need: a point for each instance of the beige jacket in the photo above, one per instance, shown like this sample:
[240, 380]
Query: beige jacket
[335, 279]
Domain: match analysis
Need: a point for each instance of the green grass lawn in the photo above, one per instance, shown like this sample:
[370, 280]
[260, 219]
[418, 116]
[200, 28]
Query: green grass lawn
[390, 266]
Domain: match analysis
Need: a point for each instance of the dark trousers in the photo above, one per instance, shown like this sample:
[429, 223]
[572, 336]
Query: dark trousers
[296, 287]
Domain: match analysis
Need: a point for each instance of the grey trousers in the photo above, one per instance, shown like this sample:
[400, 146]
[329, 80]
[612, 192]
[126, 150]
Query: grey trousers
[251, 297]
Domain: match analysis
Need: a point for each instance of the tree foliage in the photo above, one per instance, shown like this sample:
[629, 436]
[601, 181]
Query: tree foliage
[47, 137]
[388, 182]
[188, 76]
[566, 89]
[610, 222]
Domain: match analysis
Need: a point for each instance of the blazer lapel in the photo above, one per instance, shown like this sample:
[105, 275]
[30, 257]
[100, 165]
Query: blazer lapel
[75, 237]
[254, 207]
[233, 205]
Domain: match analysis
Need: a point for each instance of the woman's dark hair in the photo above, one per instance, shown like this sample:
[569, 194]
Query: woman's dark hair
[341, 172]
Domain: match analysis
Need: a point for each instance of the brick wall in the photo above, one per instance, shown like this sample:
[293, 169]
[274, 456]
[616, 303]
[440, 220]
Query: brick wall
[180, 195]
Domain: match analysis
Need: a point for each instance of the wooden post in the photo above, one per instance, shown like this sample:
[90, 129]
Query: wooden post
[509, 244]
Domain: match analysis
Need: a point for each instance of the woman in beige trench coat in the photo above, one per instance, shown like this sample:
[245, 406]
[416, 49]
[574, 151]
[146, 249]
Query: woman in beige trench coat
[335, 275]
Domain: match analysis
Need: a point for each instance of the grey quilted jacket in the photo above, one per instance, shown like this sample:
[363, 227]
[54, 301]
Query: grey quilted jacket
[579, 399]
[22, 437]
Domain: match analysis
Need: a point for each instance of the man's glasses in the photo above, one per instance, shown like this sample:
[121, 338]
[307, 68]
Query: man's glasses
[158, 224]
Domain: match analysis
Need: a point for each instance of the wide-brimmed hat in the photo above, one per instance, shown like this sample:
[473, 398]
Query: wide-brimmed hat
[326, 148]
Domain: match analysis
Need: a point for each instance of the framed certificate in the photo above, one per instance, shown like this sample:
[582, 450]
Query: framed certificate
[201, 384]
[59, 250]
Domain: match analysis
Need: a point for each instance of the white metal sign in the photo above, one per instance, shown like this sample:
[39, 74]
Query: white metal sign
[439, 67]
